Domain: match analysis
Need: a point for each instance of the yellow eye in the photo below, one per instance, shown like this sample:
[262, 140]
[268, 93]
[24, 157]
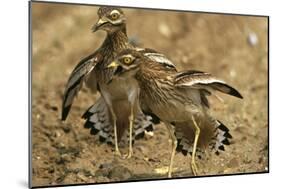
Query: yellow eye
[114, 16]
[127, 60]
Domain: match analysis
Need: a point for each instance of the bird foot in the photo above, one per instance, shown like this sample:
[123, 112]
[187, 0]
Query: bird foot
[117, 153]
[127, 156]
[169, 174]
[194, 168]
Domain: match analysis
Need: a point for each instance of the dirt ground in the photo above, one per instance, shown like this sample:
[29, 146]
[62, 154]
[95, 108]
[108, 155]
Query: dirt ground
[233, 48]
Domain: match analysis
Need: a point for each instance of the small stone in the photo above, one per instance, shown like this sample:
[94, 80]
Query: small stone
[38, 116]
[82, 176]
[66, 157]
[233, 163]
[146, 159]
[164, 29]
[184, 59]
[51, 107]
[228, 170]
[66, 129]
[57, 134]
[233, 73]
[120, 172]
[51, 170]
[102, 173]
[253, 39]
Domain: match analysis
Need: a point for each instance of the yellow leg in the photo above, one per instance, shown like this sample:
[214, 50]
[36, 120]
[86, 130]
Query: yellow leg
[117, 151]
[108, 101]
[197, 133]
[131, 120]
[174, 147]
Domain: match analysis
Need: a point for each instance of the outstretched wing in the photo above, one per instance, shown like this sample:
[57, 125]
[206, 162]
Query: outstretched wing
[157, 57]
[203, 81]
[98, 121]
[75, 81]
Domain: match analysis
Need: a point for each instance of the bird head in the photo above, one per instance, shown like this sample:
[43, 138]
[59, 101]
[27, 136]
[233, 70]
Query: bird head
[127, 63]
[111, 19]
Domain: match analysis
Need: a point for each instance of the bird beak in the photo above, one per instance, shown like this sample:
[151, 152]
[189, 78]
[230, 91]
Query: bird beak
[112, 65]
[98, 24]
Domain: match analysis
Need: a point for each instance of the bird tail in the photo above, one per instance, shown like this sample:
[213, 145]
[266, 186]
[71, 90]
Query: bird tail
[99, 122]
[221, 138]
[211, 138]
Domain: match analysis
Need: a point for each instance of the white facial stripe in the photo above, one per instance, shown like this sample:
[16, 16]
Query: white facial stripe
[115, 11]
[128, 56]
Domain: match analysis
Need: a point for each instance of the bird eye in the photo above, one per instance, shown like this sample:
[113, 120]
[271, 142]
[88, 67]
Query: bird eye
[127, 60]
[114, 16]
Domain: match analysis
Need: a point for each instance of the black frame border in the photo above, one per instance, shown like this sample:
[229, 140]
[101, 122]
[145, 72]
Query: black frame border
[143, 8]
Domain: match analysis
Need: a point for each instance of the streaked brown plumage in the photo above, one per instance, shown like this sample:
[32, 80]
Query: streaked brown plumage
[179, 99]
[93, 70]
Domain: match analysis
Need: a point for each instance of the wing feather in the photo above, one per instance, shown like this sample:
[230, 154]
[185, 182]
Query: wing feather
[203, 80]
[75, 81]
[157, 57]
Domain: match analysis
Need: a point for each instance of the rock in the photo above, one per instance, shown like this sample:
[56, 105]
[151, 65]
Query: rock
[164, 29]
[120, 172]
[51, 107]
[66, 129]
[228, 170]
[82, 176]
[253, 39]
[102, 173]
[233, 163]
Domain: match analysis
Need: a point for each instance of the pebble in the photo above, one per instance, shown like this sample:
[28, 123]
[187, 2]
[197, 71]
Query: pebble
[120, 172]
[82, 176]
[233, 73]
[66, 129]
[164, 29]
[233, 163]
[228, 170]
[184, 59]
[253, 39]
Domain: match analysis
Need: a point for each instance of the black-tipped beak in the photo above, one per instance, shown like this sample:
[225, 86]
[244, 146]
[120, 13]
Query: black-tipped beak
[116, 66]
[98, 25]
[113, 64]
[118, 69]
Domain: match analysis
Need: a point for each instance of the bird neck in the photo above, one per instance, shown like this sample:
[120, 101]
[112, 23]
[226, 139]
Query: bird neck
[151, 74]
[147, 73]
[117, 40]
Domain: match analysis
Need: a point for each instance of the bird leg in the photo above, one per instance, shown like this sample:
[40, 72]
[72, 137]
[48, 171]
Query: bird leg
[117, 151]
[174, 147]
[131, 120]
[197, 133]
[108, 102]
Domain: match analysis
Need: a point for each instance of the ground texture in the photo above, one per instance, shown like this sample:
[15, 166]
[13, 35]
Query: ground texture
[233, 48]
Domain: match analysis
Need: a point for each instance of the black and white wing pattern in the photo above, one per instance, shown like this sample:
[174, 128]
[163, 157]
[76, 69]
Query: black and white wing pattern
[75, 81]
[220, 137]
[98, 121]
[157, 57]
[203, 81]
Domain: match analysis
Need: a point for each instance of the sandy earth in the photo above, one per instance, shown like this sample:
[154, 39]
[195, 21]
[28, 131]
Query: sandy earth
[233, 48]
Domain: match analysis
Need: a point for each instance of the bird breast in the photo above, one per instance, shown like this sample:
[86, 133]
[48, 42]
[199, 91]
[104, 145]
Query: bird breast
[122, 88]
